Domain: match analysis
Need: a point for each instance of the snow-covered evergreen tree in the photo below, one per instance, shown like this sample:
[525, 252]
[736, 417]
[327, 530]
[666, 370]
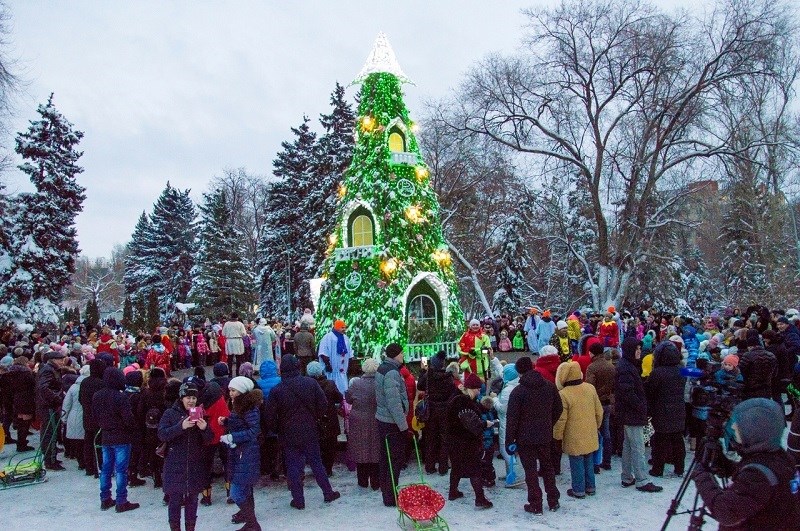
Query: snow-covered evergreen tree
[332, 157]
[285, 223]
[172, 236]
[514, 261]
[220, 280]
[142, 271]
[44, 239]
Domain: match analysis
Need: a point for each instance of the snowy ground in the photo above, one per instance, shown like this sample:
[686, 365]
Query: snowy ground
[70, 500]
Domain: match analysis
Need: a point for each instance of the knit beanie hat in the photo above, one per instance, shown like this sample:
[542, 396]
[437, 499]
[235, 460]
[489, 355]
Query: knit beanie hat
[187, 389]
[732, 359]
[220, 369]
[472, 381]
[314, 369]
[246, 369]
[242, 384]
[548, 350]
[134, 378]
[561, 325]
[523, 365]
[509, 373]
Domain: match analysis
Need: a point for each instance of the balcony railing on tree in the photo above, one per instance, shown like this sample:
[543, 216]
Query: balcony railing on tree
[415, 351]
[404, 158]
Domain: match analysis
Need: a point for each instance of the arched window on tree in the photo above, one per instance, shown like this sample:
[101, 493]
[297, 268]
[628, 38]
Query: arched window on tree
[362, 229]
[422, 311]
[397, 141]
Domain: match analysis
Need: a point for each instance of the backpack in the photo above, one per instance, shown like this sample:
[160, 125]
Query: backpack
[152, 418]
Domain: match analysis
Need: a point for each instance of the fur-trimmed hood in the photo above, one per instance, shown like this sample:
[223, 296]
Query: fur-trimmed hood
[248, 401]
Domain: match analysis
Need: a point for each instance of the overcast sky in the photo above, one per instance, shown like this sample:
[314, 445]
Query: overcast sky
[178, 90]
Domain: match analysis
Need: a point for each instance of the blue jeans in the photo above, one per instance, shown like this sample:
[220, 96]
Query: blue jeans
[603, 454]
[115, 461]
[240, 493]
[581, 468]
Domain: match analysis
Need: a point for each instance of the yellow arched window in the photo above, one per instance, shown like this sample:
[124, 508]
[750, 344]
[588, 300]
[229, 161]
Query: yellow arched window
[362, 231]
[397, 143]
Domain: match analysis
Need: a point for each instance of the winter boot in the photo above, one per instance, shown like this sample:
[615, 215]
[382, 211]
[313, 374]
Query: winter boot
[190, 525]
[228, 492]
[206, 499]
[174, 525]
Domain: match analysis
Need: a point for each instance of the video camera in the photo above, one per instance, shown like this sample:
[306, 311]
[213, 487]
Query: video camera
[713, 403]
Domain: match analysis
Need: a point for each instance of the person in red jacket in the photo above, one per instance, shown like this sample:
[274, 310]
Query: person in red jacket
[608, 331]
[588, 344]
[411, 391]
[157, 356]
[105, 342]
[215, 407]
[548, 362]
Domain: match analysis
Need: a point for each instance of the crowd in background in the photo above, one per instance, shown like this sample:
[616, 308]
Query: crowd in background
[591, 385]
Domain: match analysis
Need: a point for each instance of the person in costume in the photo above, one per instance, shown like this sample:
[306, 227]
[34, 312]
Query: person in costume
[475, 350]
[335, 353]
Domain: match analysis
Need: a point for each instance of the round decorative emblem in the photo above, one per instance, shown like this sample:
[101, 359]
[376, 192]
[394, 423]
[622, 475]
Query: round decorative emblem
[405, 188]
[353, 281]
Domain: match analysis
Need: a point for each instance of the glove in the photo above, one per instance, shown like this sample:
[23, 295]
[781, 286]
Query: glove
[327, 361]
[227, 440]
[698, 470]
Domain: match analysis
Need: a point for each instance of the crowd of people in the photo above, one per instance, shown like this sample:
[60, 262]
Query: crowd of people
[589, 385]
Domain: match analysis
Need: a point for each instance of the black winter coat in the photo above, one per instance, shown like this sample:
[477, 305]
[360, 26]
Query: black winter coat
[664, 390]
[630, 401]
[294, 407]
[329, 426]
[533, 409]
[464, 435]
[438, 386]
[758, 366]
[184, 469]
[750, 501]
[22, 387]
[89, 386]
[111, 409]
[49, 393]
[791, 340]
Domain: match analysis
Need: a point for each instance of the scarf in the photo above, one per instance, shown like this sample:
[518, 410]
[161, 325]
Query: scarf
[341, 346]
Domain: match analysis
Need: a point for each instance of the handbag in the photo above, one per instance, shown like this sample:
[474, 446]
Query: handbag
[422, 410]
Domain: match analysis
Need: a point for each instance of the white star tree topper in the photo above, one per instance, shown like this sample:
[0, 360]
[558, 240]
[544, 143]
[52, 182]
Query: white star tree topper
[382, 59]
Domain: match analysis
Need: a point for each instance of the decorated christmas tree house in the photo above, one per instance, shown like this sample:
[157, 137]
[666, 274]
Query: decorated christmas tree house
[388, 273]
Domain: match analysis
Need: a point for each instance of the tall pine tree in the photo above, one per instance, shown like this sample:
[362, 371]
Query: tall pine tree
[45, 244]
[172, 238]
[285, 223]
[142, 271]
[332, 157]
[220, 280]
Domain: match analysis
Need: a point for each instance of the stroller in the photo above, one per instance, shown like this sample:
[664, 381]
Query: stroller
[28, 470]
[417, 502]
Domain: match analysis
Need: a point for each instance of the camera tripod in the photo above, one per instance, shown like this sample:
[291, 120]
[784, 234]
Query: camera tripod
[696, 513]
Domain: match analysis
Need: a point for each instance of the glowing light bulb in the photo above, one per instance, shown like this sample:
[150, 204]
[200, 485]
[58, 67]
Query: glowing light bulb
[332, 239]
[422, 173]
[388, 267]
[414, 214]
[367, 123]
[342, 190]
[414, 127]
[442, 257]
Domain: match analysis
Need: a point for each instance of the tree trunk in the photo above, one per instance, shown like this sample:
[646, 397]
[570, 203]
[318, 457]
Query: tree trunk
[473, 274]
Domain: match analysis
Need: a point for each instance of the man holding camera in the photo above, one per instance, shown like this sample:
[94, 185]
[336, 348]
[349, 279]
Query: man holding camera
[759, 495]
